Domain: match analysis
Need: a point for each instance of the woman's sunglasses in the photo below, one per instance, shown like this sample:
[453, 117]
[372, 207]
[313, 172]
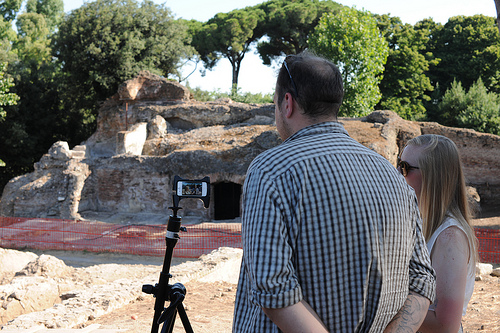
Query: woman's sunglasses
[405, 167]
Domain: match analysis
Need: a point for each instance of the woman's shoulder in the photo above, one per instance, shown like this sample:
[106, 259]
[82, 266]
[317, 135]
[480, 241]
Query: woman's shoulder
[452, 233]
[453, 238]
[452, 229]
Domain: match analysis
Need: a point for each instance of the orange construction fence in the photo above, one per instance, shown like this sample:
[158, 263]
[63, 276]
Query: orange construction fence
[489, 245]
[140, 239]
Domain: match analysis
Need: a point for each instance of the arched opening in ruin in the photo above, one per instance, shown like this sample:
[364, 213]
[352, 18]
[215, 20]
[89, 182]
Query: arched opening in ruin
[226, 200]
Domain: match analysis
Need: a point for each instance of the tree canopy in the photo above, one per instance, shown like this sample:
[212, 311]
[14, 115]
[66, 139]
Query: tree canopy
[60, 67]
[405, 85]
[351, 39]
[52, 11]
[288, 24]
[6, 97]
[61, 78]
[105, 42]
[469, 48]
[8, 11]
[226, 35]
[10, 8]
[476, 108]
[32, 43]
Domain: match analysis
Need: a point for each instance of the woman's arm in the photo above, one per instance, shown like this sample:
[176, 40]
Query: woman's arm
[449, 257]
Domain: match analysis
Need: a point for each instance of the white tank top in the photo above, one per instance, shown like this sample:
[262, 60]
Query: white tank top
[471, 271]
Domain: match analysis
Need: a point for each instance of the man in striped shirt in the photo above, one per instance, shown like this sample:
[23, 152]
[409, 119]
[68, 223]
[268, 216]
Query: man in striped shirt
[331, 231]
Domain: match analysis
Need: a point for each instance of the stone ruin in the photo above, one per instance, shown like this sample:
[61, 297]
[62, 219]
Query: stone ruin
[151, 130]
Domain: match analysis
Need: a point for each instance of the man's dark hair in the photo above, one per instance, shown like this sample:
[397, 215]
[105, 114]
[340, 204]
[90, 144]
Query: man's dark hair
[317, 84]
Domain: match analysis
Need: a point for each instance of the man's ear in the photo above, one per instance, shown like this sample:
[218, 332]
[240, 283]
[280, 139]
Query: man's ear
[289, 105]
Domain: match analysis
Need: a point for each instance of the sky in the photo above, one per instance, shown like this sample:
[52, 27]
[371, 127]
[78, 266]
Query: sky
[254, 76]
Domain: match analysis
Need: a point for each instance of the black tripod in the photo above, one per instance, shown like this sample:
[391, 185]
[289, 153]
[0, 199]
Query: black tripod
[163, 291]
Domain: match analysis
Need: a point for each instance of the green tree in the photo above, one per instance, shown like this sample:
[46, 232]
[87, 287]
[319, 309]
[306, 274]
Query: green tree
[34, 26]
[226, 35]
[352, 40]
[469, 48]
[36, 122]
[6, 97]
[52, 10]
[405, 86]
[428, 31]
[32, 44]
[10, 8]
[8, 12]
[288, 25]
[7, 37]
[31, 123]
[105, 42]
[477, 108]
[453, 102]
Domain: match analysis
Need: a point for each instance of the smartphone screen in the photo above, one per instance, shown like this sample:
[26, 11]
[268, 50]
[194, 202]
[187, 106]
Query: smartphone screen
[191, 188]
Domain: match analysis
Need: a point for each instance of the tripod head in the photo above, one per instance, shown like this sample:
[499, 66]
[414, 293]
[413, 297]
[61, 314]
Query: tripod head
[184, 188]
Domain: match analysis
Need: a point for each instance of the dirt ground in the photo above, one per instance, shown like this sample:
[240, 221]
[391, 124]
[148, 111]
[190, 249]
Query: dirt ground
[210, 309]
[209, 306]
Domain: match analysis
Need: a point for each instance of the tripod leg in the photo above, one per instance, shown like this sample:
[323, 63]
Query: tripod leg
[184, 318]
[168, 325]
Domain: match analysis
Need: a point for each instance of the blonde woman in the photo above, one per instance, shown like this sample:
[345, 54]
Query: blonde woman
[431, 165]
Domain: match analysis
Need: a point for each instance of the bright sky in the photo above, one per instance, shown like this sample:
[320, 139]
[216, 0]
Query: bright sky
[254, 76]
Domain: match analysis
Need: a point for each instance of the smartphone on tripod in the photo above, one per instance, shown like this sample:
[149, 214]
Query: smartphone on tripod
[163, 291]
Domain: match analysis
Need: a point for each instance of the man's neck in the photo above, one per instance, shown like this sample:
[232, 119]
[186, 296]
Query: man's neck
[307, 121]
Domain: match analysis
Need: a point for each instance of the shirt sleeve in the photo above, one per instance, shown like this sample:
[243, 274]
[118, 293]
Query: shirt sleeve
[422, 275]
[267, 253]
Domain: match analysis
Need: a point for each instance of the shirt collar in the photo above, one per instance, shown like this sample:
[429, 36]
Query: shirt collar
[320, 128]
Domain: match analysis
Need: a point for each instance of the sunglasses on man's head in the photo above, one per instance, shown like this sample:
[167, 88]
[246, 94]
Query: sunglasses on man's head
[405, 167]
[290, 75]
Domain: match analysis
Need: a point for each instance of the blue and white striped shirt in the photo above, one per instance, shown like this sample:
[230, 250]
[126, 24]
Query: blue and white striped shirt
[327, 220]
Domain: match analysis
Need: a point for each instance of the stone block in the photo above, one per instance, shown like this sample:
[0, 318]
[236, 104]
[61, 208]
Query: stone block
[484, 269]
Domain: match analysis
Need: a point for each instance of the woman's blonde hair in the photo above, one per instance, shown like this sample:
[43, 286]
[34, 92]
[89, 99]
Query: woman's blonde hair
[443, 189]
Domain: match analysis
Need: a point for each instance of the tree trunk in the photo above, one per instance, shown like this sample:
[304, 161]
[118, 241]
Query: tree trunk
[236, 71]
[497, 5]
[236, 64]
